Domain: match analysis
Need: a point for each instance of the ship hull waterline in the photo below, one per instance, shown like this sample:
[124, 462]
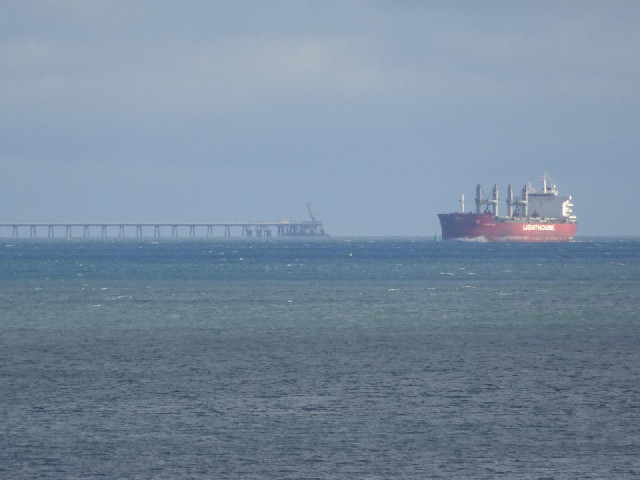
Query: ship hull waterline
[486, 227]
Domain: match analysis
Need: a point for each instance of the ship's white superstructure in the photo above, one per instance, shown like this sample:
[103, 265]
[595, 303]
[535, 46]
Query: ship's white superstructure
[545, 204]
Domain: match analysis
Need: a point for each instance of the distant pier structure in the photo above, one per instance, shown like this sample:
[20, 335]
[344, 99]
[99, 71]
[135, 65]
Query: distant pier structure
[279, 228]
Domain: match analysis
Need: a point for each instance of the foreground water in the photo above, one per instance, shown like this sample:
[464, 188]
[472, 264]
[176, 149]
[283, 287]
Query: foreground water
[331, 358]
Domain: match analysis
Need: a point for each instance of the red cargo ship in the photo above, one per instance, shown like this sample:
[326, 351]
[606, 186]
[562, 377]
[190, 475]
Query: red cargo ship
[534, 217]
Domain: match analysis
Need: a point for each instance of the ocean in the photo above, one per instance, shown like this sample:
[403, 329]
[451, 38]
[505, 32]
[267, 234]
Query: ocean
[367, 358]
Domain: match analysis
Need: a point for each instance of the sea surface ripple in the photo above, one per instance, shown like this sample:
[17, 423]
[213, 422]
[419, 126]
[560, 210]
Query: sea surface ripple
[336, 358]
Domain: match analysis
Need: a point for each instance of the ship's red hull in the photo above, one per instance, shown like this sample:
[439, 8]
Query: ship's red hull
[484, 226]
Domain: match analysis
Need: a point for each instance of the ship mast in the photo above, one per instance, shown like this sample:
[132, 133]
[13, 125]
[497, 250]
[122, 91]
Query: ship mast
[483, 201]
[510, 202]
[549, 187]
[494, 202]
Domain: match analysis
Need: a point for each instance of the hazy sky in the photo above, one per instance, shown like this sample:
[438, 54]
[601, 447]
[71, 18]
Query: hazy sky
[380, 113]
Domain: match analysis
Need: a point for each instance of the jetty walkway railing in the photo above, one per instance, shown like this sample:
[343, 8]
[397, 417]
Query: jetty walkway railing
[282, 228]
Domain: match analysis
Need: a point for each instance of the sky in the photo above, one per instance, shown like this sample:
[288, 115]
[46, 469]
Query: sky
[379, 113]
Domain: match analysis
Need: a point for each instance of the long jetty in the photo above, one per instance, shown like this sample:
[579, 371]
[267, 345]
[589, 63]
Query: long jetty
[283, 228]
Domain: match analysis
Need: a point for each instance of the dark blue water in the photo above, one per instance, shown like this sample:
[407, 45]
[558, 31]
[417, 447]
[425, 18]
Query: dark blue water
[331, 358]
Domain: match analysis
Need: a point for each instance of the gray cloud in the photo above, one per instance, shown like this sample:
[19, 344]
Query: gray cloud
[397, 105]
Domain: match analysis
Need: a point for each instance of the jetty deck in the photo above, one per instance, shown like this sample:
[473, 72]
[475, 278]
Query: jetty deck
[279, 228]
